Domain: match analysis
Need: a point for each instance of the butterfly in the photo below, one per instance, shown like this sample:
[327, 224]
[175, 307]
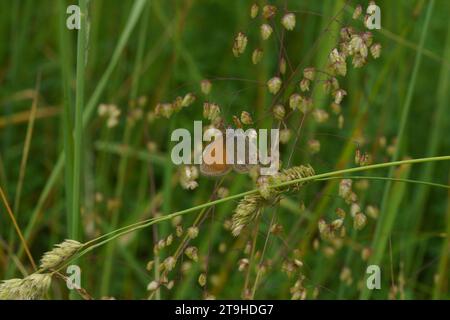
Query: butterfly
[210, 167]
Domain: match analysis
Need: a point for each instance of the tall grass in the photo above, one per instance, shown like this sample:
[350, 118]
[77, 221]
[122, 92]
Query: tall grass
[113, 187]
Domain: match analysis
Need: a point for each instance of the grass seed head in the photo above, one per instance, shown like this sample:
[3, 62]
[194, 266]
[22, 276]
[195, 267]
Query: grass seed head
[288, 21]
[33, 287]
[257, 56]
[240, 43]
[60, 254]
[254, 11]
[266, 31]
[269, 11]
[274, 85]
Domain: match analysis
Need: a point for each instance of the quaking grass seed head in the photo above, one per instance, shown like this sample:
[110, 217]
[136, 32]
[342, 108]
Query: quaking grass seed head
[288, 21]
[269, 11]
[257, 56]
[266, 31]
[239, 45]
[254, 11]
[274, 85]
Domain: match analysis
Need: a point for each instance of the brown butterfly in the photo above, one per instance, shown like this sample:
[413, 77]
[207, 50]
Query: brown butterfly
[209, 167]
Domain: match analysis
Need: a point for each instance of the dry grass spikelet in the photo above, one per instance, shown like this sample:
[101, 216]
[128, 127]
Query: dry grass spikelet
[250, 206]
[61, 253]
[246, 211]
[33, 287]
[291, 174]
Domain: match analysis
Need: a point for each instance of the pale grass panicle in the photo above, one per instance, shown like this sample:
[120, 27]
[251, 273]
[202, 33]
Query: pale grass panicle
[60, 254]
[251, 205]
[33, 287]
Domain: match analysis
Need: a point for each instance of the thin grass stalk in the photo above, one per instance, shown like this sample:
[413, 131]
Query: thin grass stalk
[123, 163]
[379, 246]
[16, 226]
[441, 287]
[438, 131]
[97, 242]
[88, 112]
[66, 72]
[25, 153]
[78, 129]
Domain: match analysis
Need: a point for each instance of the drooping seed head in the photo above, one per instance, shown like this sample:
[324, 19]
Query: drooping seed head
[254, 11]
[269, 11]
[375, 50]
[33, 287]
[279, 112]
[257, 56]
[240, 43]
[205, 86]
[274, 85]
[60, 254]
[266, 31]
[288, 21]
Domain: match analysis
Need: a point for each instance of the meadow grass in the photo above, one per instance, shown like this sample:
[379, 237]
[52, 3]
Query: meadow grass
[68, 171]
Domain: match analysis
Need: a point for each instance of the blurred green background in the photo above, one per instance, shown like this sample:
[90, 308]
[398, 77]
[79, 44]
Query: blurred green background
[140, 53]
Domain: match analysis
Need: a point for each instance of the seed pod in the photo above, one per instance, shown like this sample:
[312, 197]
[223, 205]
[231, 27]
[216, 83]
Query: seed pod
[211, 111]
[153, 285]
[372, 211]
[257, 56]
[191, 253]
[339, 95]
[179, 231]
[375, 50]
[337, 224]
[164, 109]
[282, 66]
[205, 86]
[266, 31]
[288, 21]
[295, 101]
[222, 192]
[359, 221]
[274, 85]
[320, 115]
[340, 213]
[279, 112]
[306, 105]
[254, 11]
[169, 240]
[169, 263]
[309, 73]
[340, 121]
[246, 118]
[240, 43]
[243, 264]
[304, 85]
[269, 11]
[202, 279]
[314, 146]
[192, 232]
[366, 253]
[285, 135]
[357, 12]
[188, 99]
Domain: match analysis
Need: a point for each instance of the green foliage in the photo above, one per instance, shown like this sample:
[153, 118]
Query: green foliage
[94, 165]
